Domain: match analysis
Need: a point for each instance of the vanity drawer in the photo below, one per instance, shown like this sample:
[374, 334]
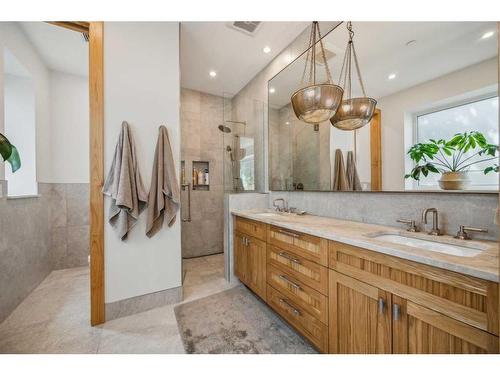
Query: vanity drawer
[251, 227]
[310, 247]
[310, 327]
[305, 271]
[300, 294]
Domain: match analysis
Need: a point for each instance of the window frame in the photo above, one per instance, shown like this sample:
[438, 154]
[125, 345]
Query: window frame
[438, 108]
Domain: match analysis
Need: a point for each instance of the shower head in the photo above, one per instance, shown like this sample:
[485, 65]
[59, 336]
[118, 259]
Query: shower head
[224, 129]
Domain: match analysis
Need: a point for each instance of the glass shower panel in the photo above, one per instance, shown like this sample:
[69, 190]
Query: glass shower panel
[243, 145]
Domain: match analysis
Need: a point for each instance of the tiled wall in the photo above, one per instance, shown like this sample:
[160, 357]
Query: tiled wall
[478, 210]
[38, 235]
[24, 247]
[201, 114]
[69, 225]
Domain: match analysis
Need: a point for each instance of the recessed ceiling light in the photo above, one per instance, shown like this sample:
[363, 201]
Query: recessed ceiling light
[267, 49]
[272, 90]
[391, 76]
[212, 73]
[287, 123]
[487, 35]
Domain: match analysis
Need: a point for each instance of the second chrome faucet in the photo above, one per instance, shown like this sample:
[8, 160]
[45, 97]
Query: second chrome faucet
[435, 225]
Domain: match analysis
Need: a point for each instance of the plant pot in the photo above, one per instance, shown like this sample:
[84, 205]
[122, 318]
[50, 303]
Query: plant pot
[453, 180]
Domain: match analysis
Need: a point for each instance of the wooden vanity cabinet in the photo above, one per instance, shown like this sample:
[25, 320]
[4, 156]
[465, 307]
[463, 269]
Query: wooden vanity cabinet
[360, 317]
[421, 330]
[346, 299]
[430, 310]
[250, 255]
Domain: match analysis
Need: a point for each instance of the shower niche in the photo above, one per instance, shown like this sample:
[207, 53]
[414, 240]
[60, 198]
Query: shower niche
[201, 175]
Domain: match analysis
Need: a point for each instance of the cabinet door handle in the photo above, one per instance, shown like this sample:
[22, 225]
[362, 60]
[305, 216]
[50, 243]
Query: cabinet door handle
[286, 233]
[289, 257]
[381, 305]
[396, 312]
[294, 310]
[295, 285]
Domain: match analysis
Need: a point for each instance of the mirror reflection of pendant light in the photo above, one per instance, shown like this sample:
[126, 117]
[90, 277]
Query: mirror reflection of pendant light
[315, 102]
[353, 113]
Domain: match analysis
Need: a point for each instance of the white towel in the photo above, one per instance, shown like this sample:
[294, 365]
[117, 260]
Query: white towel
[164, 194]
[124, 185]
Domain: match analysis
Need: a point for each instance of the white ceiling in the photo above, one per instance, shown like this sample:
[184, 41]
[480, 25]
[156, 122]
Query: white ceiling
[235, 56]
[61, 49]
[439, 48]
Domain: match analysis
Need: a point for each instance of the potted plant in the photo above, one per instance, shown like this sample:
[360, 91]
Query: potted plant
[453, 158]
[9, 153]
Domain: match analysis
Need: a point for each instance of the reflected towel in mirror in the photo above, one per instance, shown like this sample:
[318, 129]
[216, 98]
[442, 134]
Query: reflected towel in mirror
[339, 175]
[352, 177]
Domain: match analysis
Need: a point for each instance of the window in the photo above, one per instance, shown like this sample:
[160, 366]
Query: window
[480, 114]
[19, 117]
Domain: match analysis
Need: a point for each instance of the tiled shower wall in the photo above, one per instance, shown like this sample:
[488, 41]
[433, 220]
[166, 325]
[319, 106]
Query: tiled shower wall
[69, 225]
[38, 235]
[201, 114]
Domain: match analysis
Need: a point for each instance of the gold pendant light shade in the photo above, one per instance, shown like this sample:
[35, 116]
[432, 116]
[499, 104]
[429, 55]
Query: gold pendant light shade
[354, 113]
[316, 103]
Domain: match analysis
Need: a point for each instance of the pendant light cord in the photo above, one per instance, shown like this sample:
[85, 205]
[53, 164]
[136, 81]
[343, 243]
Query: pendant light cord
[346, 70]
[311, 56]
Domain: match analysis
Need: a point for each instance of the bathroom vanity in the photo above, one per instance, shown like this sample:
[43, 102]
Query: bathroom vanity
[350, 287]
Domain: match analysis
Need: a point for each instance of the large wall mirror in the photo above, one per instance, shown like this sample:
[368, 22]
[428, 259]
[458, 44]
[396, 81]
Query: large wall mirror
[436, 123]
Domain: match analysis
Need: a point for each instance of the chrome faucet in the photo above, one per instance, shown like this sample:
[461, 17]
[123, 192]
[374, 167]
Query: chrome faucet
[435, 228]
[283, 207]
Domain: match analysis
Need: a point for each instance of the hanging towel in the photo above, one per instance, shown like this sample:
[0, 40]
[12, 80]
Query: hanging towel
[124, 185]
[339, 179]
[352, 173]
[164, 195]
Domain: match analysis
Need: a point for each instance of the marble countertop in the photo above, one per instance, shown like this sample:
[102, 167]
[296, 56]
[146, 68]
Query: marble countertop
[484, 265]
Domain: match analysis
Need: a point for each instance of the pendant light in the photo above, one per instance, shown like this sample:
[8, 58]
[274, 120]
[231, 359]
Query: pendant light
[315, 102]
[353, 113]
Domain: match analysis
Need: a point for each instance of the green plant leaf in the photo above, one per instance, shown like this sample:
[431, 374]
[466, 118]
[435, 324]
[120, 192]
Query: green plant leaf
[5, 147]
[14, 160]
[9, 153]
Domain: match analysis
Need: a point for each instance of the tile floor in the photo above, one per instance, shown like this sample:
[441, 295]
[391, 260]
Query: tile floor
[54, 318]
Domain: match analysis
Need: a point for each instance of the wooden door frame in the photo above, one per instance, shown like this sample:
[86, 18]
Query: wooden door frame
[95, 32]
[376, 151]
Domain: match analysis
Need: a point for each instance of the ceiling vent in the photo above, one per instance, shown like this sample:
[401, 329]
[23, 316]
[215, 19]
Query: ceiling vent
[328, 56]
[247, 27]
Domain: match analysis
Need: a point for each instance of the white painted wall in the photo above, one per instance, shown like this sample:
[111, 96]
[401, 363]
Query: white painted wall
[141, 86]
[69, 114]
[396, 107]
[13, 39]
[19, 124]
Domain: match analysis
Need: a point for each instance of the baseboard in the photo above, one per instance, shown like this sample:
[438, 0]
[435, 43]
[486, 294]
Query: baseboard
[135, 305]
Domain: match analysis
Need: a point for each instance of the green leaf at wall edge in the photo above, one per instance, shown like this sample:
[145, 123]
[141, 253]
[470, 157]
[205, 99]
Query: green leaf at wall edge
[5, 147]
[14, 160]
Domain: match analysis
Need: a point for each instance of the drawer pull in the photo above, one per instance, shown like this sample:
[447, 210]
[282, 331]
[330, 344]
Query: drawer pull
[294, 310]
[289, 257]
[295, 285]
[396, 312]
[286, 233]
[381, 305]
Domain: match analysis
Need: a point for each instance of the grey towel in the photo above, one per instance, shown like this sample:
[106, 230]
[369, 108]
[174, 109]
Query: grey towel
[124, 185]
[353, 182]
[164, 194]
[339, 177]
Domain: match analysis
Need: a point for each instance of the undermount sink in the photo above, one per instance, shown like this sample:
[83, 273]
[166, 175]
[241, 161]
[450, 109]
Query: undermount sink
[438, 247]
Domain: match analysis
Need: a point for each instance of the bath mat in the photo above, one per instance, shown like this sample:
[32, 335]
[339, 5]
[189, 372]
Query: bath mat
[236, 321]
